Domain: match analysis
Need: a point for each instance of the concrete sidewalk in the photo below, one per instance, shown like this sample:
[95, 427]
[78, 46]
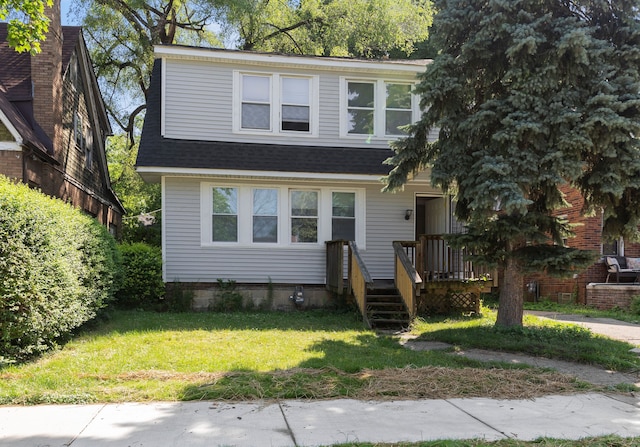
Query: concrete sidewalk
[316, 423]
[616, 329]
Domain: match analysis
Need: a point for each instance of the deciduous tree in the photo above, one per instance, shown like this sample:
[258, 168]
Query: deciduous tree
[27, 23]
[528, 96]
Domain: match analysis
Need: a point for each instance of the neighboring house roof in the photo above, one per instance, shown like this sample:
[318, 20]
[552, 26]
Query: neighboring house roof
[16, 89]
[16, 101]
[27, 135]
[159, 152]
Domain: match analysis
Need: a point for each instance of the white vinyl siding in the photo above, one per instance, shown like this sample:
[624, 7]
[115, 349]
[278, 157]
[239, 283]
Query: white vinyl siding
[187, 259]
[198, 104]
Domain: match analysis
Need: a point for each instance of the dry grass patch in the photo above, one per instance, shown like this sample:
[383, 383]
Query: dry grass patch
[389, 383]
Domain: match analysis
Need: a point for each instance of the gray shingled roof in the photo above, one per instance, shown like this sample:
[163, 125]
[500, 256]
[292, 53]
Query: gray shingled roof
[159, 152]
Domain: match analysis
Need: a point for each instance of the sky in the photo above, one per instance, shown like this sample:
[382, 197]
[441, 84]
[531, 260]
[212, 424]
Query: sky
[64, 12]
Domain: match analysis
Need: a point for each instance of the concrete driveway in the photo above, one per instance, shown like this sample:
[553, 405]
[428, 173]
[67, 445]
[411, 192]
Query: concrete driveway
[616, 329]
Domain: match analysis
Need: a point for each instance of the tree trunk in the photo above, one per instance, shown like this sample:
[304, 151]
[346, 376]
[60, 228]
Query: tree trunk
[510, 306]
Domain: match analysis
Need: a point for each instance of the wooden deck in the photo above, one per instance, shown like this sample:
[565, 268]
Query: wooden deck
[430, 277]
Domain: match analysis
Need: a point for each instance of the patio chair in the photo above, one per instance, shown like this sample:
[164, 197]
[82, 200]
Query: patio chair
[618, 265]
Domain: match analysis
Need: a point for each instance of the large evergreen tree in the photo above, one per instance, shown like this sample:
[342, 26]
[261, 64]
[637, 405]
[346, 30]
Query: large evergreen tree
[528, 96]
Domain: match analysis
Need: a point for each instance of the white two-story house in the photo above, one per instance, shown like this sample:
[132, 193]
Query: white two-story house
[263, 158]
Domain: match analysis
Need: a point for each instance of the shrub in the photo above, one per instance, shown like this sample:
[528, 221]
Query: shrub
[228, 299]
[634, 308]
[179, 297]
[58, 266]
[142, 285]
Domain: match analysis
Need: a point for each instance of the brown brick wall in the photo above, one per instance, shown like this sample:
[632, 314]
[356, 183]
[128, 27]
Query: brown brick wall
[609, 296]
[588, 236]
[11, 164]
[46, 76]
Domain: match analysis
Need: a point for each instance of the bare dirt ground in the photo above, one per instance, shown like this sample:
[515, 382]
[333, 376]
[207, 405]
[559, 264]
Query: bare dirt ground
[615, 329]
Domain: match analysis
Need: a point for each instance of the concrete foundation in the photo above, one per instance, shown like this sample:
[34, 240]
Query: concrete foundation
[259, 296]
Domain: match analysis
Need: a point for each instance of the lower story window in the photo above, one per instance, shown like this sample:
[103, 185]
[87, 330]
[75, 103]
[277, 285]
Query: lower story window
[265, 215]
[224, 222]
[343, 212]
[304, 216]
[252, 215]
[612, 248]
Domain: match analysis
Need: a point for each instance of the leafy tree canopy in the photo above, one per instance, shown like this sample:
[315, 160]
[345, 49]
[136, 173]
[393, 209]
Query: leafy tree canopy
[528, 97]
[362, 28]
[27, 23]
[121, 35]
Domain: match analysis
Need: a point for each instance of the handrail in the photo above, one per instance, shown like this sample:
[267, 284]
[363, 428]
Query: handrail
[335, 266]
[407, 279]
[359, 279]
[441, 262]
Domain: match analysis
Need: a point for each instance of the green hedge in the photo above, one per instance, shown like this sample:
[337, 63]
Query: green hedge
[142, 286]
[58, 268]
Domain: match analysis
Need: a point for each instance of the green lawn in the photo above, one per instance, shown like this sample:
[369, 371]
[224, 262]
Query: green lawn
[539, 337]
[141, 356]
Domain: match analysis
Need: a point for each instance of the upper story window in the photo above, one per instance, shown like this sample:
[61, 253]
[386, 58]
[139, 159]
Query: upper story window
[296, 101]
[256, 102]
[377, 108]
[78, 130]
[275, 103]
[360, 107]
[88, 148]
[398, 110]
[73, 72]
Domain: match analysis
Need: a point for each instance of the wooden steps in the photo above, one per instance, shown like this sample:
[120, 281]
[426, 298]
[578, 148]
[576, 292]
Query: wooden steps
[385, 309]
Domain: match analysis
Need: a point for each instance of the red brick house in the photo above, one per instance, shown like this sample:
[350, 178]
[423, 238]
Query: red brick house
[588, 231]
[53, 122]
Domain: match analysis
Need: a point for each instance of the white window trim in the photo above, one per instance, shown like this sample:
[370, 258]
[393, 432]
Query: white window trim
[276, 102]
[379, 107]
[245, 215]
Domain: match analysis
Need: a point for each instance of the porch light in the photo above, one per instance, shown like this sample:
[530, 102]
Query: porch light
[407, 214]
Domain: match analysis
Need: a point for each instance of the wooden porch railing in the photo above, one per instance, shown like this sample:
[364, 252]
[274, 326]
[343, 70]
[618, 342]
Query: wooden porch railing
[358, 277]
[407, 279]
[438, 261]
[335, 266]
